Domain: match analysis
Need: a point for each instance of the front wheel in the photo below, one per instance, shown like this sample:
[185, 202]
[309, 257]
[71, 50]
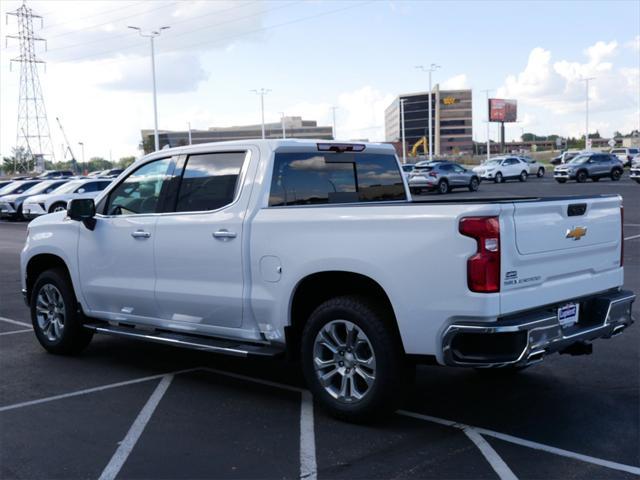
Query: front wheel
[58, 207]
[581, 177]
[615, 175]
[351, 358]
[523, 176]
[473, 185]
[540, 172]
[55, 316]
[498, 178]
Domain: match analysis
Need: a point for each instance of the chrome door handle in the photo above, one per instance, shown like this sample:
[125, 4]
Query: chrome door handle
[224, 234]
[140, 234]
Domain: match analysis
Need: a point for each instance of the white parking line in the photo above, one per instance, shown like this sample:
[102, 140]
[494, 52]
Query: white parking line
[92, 390]
[16, 331]
[126, 446]
[632, 237]
[15, 322]
[502, 469]
[308, 467]
[527, 443]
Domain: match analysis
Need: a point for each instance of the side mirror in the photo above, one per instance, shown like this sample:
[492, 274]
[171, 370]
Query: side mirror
[82, 210]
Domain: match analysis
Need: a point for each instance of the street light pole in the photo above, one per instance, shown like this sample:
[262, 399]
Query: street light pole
[432, 68]
[262, 92]
[284, 132]
[189, 127]
[488, 125]
[84, 166]
[151, 35]
[404, 147]
[333, 109]
[586, 134]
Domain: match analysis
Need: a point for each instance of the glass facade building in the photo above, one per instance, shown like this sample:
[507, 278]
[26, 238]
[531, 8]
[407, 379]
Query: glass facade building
[451, 117]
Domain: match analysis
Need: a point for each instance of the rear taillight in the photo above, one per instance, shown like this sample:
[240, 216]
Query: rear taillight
[621, 236]
[483, 268]
[433, 174]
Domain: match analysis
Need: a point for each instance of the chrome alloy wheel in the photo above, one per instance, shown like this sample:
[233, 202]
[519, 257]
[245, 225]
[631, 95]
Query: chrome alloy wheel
[60, 208]
[50, 312]
[344, 361]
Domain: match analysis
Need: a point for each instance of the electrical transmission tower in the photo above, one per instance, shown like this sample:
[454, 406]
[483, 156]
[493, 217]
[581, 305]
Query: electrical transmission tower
[32, 135]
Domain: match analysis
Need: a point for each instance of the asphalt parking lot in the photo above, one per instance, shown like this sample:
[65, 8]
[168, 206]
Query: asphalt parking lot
[125, 409]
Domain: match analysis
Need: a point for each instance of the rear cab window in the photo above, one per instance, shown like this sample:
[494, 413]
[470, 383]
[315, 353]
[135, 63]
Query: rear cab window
[316, 178]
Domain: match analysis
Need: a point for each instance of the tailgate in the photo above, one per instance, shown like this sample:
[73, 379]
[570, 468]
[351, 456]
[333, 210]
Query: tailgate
[557, 250]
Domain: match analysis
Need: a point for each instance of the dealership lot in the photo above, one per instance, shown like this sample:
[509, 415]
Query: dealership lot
[133, 410]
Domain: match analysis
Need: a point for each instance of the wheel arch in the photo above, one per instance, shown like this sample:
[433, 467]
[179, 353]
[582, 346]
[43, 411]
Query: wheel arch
[40, 263]
[318, 287]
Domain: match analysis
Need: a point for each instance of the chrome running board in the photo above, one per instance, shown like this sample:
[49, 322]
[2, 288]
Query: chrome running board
[195, 342]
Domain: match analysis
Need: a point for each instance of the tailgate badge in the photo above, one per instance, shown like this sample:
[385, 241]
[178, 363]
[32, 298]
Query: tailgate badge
[576, 233]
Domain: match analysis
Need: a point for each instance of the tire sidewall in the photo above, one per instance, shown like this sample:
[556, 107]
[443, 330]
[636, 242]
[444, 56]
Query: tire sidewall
[386, 352]
[74, 337]
[443, 186]
[523, 176]
[581, 177]
[499, 178]
[53, 207]
[540, 172]
[474, 184]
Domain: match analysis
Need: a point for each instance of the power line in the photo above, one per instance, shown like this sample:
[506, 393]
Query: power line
[94, 15]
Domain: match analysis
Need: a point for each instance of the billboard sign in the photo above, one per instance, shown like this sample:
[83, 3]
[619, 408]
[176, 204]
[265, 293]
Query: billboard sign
[501, 110]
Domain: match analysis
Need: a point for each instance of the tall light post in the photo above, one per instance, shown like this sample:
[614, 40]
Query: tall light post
[432, 68]
[151, 35]
[84, 166]
[586, 98]
[284, 132]
[189, 130]
[404, 145]
[488, 125]
[333, 110]
[262, 92]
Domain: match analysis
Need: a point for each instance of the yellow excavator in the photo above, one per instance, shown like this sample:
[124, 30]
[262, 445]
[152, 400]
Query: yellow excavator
[420, 143]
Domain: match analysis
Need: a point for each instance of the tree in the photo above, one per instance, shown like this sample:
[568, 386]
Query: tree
[147, 145]
[17, 162]
[124, 162]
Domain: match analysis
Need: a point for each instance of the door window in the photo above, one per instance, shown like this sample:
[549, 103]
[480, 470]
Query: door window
[139, 193]
[209, 181]
[458, 169]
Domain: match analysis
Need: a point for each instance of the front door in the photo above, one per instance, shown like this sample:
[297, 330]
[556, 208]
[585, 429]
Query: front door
[198, 243]
[116, 260]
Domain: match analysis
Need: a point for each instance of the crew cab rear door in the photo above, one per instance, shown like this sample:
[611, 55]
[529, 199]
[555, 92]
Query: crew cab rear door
[199, 243]
[554, 250]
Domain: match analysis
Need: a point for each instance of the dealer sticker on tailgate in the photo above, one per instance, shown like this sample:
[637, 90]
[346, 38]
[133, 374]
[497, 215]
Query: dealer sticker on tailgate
[568, 314]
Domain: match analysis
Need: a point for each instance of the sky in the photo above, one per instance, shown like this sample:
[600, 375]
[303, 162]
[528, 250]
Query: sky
[356, 55]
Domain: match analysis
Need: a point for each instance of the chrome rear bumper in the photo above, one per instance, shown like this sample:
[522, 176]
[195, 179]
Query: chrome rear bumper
[525, 338]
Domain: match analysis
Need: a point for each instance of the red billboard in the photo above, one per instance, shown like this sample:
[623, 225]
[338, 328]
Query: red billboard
[501, 110]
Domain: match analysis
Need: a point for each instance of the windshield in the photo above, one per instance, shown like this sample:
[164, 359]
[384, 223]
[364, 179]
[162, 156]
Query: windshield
[580, 159]
[13, 187]
[68, 187]
[494, 161]
[39, 188]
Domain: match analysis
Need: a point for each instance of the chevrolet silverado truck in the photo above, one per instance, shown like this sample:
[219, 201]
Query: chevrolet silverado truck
[315, 251]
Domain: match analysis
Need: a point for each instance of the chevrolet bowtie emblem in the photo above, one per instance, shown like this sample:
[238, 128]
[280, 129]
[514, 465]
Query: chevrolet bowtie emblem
[576, 233]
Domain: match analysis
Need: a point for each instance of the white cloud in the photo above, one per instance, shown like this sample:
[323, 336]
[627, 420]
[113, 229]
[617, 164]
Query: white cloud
[634, 44]
[457, 82]
[362, 113]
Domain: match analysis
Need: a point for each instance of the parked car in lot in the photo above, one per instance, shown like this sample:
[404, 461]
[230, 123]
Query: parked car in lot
[635, 169]
[4, 183]
[407, 168]
[592, 166]
[273, 247]
[501, 169]
[113, 173]
[11, 205]
[56, 174]
[17, 186]
[565, 157]
[442, 177]
[625, 155]
[56, 200]
[535, 167]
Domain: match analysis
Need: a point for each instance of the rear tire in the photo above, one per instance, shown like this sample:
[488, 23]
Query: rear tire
[616, 174]
[352, 359]
[443, 186]
[498, 178]
[540, 172]
[474, 184]
[523, 176]
[581, 176]
[55, 315]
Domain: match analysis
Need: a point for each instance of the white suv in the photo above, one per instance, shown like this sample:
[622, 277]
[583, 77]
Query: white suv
[501, 169]
[625, 155]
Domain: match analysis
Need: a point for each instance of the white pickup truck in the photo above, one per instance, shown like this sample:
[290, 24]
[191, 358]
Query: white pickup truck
[315, 250]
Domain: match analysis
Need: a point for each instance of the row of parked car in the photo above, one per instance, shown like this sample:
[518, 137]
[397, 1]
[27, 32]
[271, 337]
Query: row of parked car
[443, 175]
[26, 198]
